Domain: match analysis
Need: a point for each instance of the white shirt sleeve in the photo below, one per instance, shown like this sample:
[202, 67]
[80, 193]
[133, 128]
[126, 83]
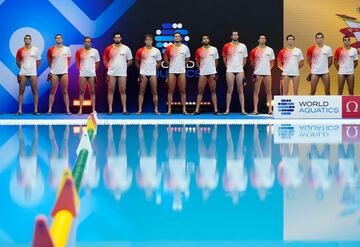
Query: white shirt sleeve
[356, 56]
[128, 54]
[158, 55]
[245, 51]
[216, 53]
[330, 53]
[301, 56]
[97, 56]
[272, 55]
[68, 52]
[187, 52]
[38, 55]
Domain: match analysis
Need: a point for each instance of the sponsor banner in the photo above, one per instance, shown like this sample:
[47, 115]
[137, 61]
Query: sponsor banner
[351, 106]
[298, 133]
[307, 107]
[351, 133]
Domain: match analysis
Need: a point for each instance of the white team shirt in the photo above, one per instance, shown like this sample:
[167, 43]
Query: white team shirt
[346, 60]
[177, 56]
[234, 55]
[261, 59]
[207, 57]
[319, 59]
[27, 59]
[59, 59]
[117, 57]
[290, 59]
[148, 59]
[87, 60]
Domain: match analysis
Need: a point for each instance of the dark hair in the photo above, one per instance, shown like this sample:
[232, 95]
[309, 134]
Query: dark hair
[261, 35]
[346, 37]
[322, 35]
[234, 31]
[117, 33]
[205, 35]
[290, 35]
[58, 35]
[150, 36]
[27, 35]
[87, 37]
[177, 33]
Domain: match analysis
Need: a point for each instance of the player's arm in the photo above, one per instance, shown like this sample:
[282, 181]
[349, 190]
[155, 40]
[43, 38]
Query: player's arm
[280, 59]
[197, 58]
[357, 59]
[18, 59]
[224, 55]
[38, 62]
[187, 60]
[272, 63]
[330, 61]
[167, 56]
[252, 58]
[69, 61]
[49, 57]
[129, 62]
[158, 64]
[106, 57]
[336, 59]
[216, 62]
[301, 63]
[77, 59]
[137, 59]
[309, 56]
[97, 64]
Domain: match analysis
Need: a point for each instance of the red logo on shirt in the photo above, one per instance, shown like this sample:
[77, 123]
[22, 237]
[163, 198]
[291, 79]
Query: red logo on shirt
[351, 106]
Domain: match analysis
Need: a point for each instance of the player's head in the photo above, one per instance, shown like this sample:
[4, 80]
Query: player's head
[58, 39]
[87, 42]
[27, 39]
[205, 40]
[319, 37]
[117, 37]
[346, 40]
[234, 35]
[149, 39]
[262, 39]
[290, 39]
[177, 37]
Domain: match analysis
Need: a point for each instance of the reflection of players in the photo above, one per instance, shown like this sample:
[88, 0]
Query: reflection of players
[262, 174]
[91, 176]
[290, 172]
[346, 172]
[207, 175]
[177, 174]
[59, 157]
[235, 177]
[346, 60]
[320, 172]
[117, 174]
[27, 184]
[148, 174]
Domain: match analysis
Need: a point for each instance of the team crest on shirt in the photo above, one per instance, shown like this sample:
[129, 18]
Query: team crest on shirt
[352, 29]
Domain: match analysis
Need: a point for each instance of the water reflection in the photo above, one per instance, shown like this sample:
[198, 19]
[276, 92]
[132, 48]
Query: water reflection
[294, 173]
[117, 173]
[27, 182]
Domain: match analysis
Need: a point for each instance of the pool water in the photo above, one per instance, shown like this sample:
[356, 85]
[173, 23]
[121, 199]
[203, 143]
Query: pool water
[213, 185]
